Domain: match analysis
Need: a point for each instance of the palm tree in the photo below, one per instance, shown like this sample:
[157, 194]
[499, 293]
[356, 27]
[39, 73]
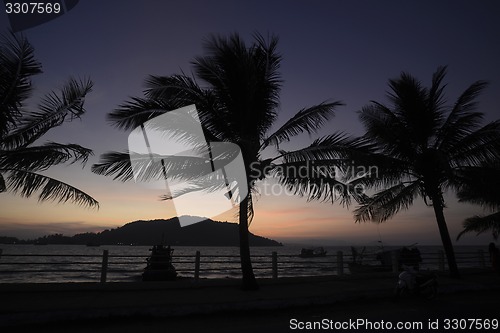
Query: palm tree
[421, 146]
[480, 187]
[21, 160]
[238, 103]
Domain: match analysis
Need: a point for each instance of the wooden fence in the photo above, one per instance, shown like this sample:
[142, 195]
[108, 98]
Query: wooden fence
[99, 267]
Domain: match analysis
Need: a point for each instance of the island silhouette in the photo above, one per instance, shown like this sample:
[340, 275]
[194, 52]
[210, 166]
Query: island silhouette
[150, 232]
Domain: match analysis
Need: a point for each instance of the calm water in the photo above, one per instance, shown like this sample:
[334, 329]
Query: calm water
[79, 263]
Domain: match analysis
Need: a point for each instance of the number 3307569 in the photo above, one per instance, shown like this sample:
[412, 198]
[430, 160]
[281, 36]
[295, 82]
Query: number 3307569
[32, 8]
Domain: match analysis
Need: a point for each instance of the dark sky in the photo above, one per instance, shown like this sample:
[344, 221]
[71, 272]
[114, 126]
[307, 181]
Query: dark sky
[337, 50]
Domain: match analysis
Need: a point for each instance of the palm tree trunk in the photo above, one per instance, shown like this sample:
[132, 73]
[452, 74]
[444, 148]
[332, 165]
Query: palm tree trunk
[249, 281]
[445, 237]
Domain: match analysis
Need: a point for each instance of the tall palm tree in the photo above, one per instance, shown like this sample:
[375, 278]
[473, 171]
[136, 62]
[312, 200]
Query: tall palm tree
[480, 187]
[21, 159]
[421, 146]
[238, 103]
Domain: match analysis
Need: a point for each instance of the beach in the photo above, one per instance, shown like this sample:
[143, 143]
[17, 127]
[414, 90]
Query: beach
[94, 306]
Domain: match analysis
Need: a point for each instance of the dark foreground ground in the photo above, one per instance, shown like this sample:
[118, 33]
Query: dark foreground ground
[449, 310]
[348, 304]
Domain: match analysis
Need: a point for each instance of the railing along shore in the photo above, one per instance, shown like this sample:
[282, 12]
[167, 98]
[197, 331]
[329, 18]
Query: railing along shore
[99, 267]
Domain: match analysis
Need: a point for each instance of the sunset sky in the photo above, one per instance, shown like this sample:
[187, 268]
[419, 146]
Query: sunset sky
[332, 50]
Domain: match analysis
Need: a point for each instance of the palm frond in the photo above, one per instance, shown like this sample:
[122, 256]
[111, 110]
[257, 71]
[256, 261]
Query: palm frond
[53, 110]
[463, 119]
[136, 112]
[479, 185]
[42, 157]
[321, 188]
[27, 183]
[152, 167]
[334, 146]
[207, 182]
[482, 145]
[386, 131]
[116, 164]
[382, 170]
[3, 186]
[306, 120]
[245, 81]
[436, 99]
[386, 203]
[17, 66]
[181, 90]
[480, 224]
[418, 108]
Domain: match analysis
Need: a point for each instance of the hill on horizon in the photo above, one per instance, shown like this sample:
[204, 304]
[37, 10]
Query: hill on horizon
[151, 232]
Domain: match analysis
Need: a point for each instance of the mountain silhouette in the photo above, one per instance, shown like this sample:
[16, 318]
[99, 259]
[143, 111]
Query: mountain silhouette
[168, 232]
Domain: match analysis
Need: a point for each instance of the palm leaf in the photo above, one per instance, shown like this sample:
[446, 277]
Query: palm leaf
[479, 185]
[27, 183]
[480, 224]
[3, 186]
[40, 158]
[207, 182]
[306, 120]
[385, 130]
[245, 81]
[319, 188]
[436, 94]
[152, 167]
[53, 110]
[17, 65]
[115, 164]
[388, 202]
[180, 91]
[334, 146]
[482, 145]
[463, 119]
[136, 112]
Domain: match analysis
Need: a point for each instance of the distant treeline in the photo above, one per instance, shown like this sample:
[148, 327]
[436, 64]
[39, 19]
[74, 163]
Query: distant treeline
[49, 239]
[168, 232]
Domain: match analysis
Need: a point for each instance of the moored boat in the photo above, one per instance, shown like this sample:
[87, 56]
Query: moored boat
[311, 253]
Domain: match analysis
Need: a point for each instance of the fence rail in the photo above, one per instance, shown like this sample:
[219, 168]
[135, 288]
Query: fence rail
[100, 267]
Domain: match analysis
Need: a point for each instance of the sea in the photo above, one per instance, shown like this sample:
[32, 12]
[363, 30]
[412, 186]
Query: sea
[80, 263]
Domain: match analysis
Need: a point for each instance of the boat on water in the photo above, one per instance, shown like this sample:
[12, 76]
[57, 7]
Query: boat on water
[311, 253]
[409, 256]
[159, 265]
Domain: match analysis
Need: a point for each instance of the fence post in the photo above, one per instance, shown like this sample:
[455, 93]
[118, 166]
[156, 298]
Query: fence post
[275, 265]
[394, 261]
[441, 260]
[480, 253]
[197, 266]
[104, 266]
[340, 263]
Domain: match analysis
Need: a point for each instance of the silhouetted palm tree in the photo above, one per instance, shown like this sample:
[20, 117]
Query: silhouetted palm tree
[21, 159]
[238, 103]
[422, 146]
[481, 186]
